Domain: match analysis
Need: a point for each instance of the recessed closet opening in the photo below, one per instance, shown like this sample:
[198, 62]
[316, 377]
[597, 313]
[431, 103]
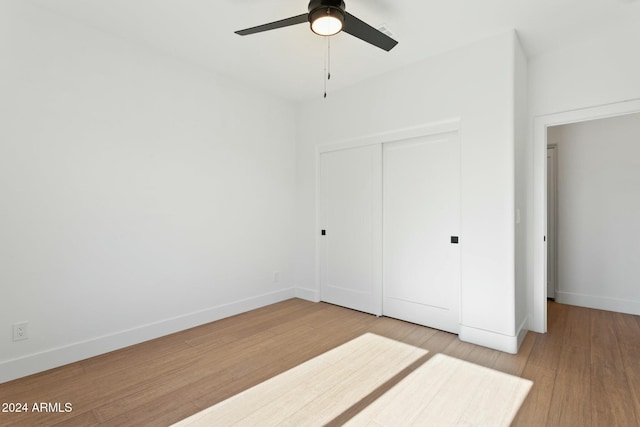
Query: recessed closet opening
[389, 226]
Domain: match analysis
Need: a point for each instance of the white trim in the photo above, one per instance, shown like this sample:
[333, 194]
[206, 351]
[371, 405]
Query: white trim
[53, 358]
[312, 295]
[538, 306]
[395, 135]
[316, 231]
[521, 333]
[376, 213]
[600, 303]
[494, 340]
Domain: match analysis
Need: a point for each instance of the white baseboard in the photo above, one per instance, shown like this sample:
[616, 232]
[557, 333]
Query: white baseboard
[53, 358]
[522, 331]
[308, 294]
[494, 340]
[600, 303]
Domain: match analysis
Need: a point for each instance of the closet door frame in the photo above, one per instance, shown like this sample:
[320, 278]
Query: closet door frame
[428, 129]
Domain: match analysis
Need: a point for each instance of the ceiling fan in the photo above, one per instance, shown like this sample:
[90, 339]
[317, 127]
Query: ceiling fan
[328, 17]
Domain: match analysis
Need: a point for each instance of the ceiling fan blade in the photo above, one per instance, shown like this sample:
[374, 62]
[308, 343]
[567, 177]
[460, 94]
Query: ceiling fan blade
[366, 32]
[294, 20]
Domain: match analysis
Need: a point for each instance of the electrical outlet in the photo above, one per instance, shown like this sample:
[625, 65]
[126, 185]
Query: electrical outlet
[276, 276]
[20, 331]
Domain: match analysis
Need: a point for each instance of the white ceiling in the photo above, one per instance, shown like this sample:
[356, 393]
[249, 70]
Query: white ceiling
[289, 62]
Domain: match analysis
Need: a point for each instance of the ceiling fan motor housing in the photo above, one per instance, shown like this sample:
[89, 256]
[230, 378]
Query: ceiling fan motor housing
[318, 8]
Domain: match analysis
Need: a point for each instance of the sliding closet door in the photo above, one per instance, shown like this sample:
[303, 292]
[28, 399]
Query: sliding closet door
[421, 228]
[351, 228]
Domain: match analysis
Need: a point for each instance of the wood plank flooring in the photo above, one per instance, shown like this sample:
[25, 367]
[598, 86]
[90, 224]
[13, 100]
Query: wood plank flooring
[586, 369]
[319, 389]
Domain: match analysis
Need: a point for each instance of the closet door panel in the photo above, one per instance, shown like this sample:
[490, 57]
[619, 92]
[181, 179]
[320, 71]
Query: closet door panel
[351, 228]
[421, 211]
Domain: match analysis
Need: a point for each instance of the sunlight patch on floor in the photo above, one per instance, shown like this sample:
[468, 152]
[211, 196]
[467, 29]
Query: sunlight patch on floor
[446, 391]
[403, 383]
[316, 391]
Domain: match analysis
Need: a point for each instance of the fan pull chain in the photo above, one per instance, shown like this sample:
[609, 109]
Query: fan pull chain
[327, 65]
[329, 57]
[324, 80]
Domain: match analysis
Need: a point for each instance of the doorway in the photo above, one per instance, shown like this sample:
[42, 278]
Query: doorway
[598, 175]
[538, 301]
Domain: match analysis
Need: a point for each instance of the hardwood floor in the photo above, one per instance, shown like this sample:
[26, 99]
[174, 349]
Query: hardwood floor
[586, 369]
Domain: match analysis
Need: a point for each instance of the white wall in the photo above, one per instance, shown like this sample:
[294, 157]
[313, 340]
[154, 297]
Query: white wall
[585, 79]
[522, 180]
[475, 84]
[601, 68]
[598, 210]
[139, 195]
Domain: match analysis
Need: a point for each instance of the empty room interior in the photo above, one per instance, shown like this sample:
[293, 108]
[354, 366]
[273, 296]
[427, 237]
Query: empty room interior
[319, 213]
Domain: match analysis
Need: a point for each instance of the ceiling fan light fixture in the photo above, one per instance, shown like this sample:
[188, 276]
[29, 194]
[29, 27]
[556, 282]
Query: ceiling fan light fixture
[326, 21]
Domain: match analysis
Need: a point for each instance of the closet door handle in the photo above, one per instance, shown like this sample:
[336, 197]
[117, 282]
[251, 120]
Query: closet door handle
[454, 240]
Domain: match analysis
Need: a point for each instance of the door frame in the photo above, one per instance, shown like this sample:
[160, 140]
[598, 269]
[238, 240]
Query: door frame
[538, 293]
[427, 129]
[554, 214]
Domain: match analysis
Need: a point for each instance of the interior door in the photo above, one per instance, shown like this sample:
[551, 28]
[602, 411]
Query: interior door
[551, 221]
[351, 228]
[421, 238]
